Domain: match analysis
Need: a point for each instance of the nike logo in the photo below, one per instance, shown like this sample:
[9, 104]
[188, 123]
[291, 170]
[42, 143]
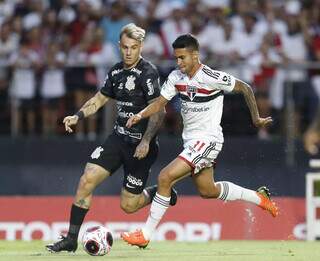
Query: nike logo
[129, 186]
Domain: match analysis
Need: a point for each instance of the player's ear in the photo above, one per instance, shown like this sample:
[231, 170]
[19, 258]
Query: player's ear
[195, 55]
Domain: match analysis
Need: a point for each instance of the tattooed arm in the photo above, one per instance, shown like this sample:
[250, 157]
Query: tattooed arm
[154, 124]
[245, 89]
[89, 108]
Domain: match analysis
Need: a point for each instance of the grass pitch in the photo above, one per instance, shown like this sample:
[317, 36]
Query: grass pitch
[170, 250]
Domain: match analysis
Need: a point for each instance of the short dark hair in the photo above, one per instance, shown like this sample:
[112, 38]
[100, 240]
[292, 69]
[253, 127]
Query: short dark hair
[186, 41]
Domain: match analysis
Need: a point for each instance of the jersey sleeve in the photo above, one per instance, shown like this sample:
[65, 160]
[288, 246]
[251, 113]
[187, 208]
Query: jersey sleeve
[219, 80]
[151, 84]
[107, 89]
[168, 89]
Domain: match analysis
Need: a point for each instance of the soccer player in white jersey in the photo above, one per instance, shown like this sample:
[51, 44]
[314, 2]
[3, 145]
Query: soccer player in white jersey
[201, 91]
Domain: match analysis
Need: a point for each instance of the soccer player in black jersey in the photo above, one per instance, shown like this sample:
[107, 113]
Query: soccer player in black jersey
[133, 83]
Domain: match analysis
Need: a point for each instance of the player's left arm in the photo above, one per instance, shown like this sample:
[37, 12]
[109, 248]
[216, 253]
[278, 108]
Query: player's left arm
[246, 91]
[154, 124]
[152, 91]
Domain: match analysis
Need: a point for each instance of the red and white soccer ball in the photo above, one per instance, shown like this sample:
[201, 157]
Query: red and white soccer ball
[97, 241]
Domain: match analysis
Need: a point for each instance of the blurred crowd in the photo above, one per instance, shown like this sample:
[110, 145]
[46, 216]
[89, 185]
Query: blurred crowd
[54, 55]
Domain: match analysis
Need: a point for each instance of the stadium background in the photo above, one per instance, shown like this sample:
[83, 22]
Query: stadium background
[273, 45]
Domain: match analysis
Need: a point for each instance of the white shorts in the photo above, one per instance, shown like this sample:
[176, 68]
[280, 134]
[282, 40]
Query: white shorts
[200, 154]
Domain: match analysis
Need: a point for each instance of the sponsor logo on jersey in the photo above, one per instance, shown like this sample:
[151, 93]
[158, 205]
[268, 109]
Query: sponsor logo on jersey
[134, 181]
[130, 85]
[123, 103]
[122, 113]
[136, 71]
[150, 87]
[227, 79]
[186, 109]
[114, 72]
[125, 114]
[97, 152]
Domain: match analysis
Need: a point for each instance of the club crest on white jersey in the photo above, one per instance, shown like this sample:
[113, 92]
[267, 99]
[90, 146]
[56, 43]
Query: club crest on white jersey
[191, 91]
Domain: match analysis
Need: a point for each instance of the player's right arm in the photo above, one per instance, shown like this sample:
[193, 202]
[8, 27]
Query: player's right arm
[152, 108]
[168, 91]
[89, 108]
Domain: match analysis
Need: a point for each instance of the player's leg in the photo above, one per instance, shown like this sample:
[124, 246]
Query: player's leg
[176, 170]
[134, 195]
[93, 175]
[104, 160]
[229, 191]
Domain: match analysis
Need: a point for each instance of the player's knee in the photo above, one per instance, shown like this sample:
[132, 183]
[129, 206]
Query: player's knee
[164, 179]
[86, 181]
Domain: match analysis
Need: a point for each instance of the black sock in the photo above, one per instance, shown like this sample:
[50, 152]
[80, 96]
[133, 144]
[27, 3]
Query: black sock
[76, 218]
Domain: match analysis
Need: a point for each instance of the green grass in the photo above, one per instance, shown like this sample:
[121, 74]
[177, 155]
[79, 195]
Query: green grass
[175, 251]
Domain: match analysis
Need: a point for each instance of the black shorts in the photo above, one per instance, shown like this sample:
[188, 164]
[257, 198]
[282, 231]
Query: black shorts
[115, 152]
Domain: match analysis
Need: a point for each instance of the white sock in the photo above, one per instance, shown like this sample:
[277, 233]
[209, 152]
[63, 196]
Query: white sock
[231, 191]
[158, 207]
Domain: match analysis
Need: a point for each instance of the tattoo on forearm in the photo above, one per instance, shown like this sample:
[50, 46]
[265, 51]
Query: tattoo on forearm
[251, 102]
[90, 107]
[154, 124]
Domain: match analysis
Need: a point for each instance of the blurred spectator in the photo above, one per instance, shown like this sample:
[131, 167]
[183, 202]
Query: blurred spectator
[164, 8]
[78, 27]
[17, 27]
[51, 30]
[294, 51]
[113, 21]
[8, 44]
[101, 54]
[34, 17]
[66, 13]
[24, 62]
[82, 80]
[260, 70]
[6, 9]
[52, 87]
[175, 25]
[315, 46]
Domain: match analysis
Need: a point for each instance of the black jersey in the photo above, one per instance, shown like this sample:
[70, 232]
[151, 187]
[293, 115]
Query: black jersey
[132, 89]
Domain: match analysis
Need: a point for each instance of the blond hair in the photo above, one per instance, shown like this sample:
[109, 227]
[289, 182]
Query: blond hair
[133, 31]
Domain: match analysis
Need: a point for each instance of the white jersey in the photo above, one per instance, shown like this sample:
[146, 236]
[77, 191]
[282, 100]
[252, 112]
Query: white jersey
[202, 101]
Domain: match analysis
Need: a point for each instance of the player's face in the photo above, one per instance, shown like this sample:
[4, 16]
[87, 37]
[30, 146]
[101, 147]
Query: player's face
[130, 50]
[187, 60]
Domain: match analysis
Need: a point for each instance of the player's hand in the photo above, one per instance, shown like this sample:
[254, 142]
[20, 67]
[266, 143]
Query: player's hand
[141, 150]
[263, 122]
[70, 121]
[133, 120]
[311, 141]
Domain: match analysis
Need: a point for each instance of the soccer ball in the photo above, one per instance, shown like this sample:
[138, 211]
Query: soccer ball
[97, 241]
